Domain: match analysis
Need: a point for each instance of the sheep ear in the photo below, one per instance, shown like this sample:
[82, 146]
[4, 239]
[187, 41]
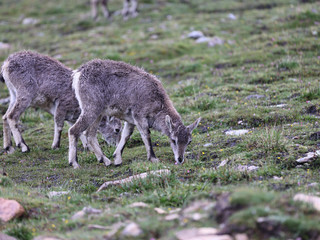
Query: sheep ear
[192, 126]
[169, 123]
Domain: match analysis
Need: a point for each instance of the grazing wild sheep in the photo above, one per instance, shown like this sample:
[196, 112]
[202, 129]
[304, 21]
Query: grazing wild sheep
[130, 94]
[127, 11]
[40, 81]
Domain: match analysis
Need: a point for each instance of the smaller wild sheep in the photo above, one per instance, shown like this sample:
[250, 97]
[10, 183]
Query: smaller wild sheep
[127, 11]
[40, 81]
[106, 87]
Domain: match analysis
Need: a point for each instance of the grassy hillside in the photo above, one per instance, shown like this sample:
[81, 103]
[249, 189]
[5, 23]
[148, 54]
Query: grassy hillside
[263, 78]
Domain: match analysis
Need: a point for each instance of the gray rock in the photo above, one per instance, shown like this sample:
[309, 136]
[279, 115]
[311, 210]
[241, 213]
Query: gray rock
[232, 16]
[203, 40]
[4, 45]
[215, 41]
[46, 238]
[57, 194]
[313, 200]
[208, 145]
[244, 168]
[223, 163]
[6, 237]
[30, 21]
[310, 156]
[132, 230]
[256, 96]
[237, 132]
[195, 34]
[279, 106]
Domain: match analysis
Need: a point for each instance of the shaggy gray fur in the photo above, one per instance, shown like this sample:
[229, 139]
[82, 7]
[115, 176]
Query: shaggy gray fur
[131, 94]
[40, 81]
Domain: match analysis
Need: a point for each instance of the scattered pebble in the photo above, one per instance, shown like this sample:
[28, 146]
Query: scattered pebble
[310, 156]
[314, 184]
[139, 205]
[224, 162]
[57, 194]
[256, 96]
[172, 217]
[279, 106]
[195, 34]
[160, 211]
[208, 145]
[6, 237]
[215, 41]
[30, 21]
[132, 230]
[237, 132]
[245, 168]
[232, 16]
[201, 233]
[313, 200]
[4, 45]
[203, 40]
[277, 178]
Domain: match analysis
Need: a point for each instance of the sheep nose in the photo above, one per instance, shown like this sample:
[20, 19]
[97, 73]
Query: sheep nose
[180, 159]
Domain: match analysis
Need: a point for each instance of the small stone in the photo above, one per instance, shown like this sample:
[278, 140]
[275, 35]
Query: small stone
[10, 209]
[314, 33]
[256, 96]
[95, 226]
[201, 234]
[313, 200]
[132, 230]
[91, 210]
[195, 34]
[30, 21]
[203, 40]
[308, 158]
[237, 132]
[279, 106]
[244, 168]
[172, 217]
[232, 16]
[215, 41]
[154, 36]
[208, 145]
[78, 215]
[197, 216]
[223, 163]
[57, 194]
[6, 237]
[160, 211]
[277, 178]
[46, 238]
[139, 205]
[241, 236]
[203, 205]
[314, 184]
[4, 45]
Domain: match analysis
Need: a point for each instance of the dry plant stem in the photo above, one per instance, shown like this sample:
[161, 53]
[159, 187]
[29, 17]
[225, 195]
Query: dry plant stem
[132, 178]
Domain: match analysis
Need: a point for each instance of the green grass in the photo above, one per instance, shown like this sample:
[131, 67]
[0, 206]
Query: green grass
[270, 50]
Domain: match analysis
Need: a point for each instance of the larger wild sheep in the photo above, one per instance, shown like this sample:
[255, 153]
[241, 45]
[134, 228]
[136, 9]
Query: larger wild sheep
[40, 81]
[130, 94]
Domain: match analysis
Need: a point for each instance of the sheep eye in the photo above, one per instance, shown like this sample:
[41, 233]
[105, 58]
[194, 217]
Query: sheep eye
[174, 141]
